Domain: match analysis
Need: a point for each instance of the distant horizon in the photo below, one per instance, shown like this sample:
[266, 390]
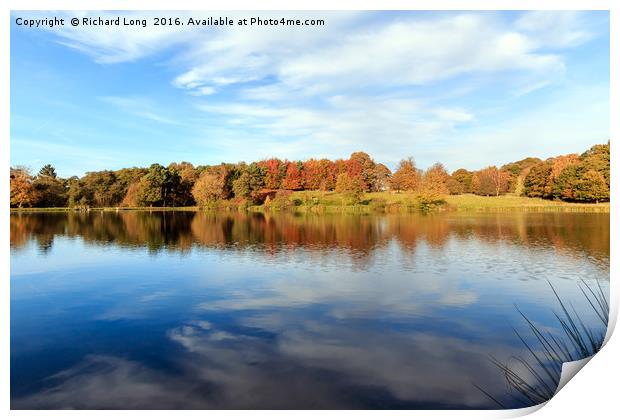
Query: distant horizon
[467, 89]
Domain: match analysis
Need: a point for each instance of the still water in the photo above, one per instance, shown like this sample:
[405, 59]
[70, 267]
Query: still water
[189, 310]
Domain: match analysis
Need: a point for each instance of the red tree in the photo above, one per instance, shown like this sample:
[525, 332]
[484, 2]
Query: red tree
[293, 179]
[273, 176]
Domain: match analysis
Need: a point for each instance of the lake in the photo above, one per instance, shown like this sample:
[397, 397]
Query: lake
[186, 310]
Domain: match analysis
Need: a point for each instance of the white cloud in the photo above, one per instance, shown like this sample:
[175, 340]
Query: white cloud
[349, 50]
[555, 30]
[203, 91]
[356, 83]
[117, 44]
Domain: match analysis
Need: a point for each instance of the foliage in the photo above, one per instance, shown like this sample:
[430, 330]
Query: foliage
[490, 181]
[434, 181]
[210, 188]
[516, 173]
[159, 186]
[23, 193]
[537, 182]
[460, 182]
[293, 179]
[351, 187]
[584, 178]
[49, 189]
[581, 178]
[47, 171]
[406, 177]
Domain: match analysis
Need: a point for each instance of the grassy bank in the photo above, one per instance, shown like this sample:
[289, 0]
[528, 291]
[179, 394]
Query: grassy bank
[332, 202]
[470, 202]
[392, 201]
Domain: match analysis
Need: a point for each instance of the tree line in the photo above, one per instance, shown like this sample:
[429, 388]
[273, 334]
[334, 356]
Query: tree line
[573, 177]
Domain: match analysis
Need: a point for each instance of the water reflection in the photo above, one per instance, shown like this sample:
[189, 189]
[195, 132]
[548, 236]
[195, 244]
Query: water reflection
[197, 310]
[180, 231]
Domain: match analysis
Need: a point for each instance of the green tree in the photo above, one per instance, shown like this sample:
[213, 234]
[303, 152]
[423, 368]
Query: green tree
[598, 158]
[158, 186]
[50, 190]
[98, 188]
[47, 171]
[188, 175]
[592, 187]
[464, 178]
[249, 183]
[241, 186]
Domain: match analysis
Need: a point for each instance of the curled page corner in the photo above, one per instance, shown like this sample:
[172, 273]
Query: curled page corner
[613, 316]
[521, 412]
[569, 370]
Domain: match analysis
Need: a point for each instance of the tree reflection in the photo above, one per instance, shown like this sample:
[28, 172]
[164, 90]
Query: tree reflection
[274, 233]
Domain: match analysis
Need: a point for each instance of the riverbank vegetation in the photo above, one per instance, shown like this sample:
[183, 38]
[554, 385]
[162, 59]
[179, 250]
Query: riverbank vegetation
[354, 183]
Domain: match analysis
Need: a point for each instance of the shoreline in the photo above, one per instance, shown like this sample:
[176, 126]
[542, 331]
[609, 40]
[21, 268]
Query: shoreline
[329, 202]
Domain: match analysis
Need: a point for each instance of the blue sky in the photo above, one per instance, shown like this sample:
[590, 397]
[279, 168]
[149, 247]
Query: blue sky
[468, 89]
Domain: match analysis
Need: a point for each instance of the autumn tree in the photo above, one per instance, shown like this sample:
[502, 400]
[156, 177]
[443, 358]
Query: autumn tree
[584, 178]
[23, 193]
[275, 171]
[434, 180]
[293, 179]
[351, 187]
[559, 163]
[406, 177]
[381, 177]
[597, 158]
[454, 187]
[361, 165]
[536, 183]
[490, 181]
[312, 174]
[463, 177]
[328, 173]
[592, 187]
[210, 188]
[579, 183]
[516, 173]
[131, 196]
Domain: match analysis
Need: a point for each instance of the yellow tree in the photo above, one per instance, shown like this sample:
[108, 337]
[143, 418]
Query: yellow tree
[406, 177]
[23, 193]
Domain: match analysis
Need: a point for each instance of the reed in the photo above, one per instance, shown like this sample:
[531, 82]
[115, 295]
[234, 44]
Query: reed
[549, 351]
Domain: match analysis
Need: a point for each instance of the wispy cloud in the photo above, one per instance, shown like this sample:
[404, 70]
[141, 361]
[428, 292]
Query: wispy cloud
[140, 107]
